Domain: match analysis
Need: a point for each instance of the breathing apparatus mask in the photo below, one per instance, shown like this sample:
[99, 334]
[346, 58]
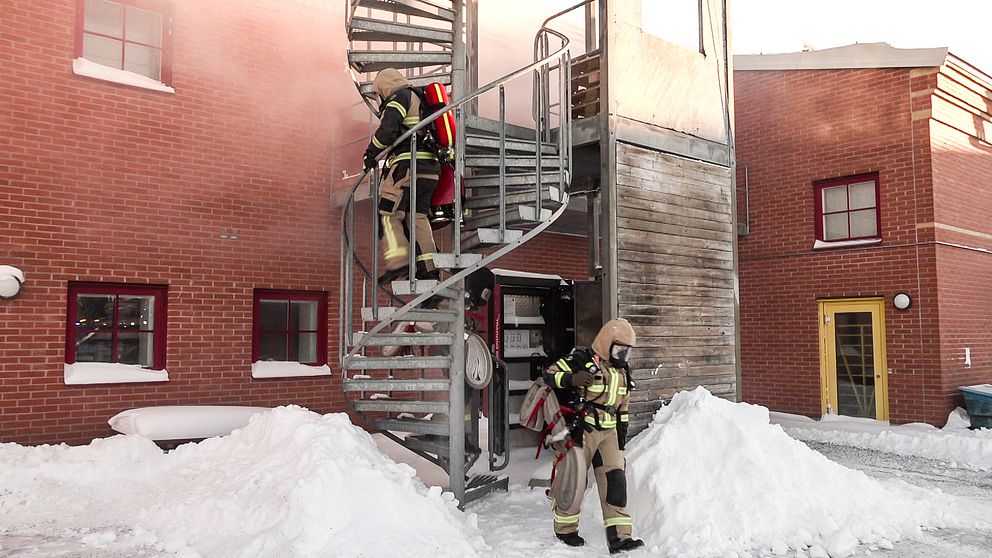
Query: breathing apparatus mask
[619, 354]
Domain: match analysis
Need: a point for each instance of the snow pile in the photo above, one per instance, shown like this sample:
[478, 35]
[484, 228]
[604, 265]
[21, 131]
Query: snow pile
[954, 444]
[291, 483]
[714, 478]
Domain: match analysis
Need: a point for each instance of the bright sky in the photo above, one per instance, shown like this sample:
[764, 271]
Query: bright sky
[772, 26]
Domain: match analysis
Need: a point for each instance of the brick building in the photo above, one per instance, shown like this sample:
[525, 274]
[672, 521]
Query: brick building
[166, 177]
[866, 170]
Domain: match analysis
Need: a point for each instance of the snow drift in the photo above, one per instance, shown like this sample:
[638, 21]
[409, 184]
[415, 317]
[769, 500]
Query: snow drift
[713, 478]
[291, 483]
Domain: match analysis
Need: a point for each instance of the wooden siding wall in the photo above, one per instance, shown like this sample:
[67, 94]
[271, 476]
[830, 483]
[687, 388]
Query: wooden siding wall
[675, 274]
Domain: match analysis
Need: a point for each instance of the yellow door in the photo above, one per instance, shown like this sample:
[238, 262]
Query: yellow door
[853, 373]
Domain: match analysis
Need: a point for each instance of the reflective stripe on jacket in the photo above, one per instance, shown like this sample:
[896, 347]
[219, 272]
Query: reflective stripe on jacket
[608, 394]
[399, 113]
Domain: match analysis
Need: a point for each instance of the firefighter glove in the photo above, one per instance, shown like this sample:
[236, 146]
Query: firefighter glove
[582, 378]
[622, 435]
[369, 158]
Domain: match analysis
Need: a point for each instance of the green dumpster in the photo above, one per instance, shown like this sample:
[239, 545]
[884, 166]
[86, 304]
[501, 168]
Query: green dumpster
[978, 401]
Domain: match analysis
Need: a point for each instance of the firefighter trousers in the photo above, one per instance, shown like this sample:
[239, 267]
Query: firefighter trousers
[394, 206]
[603, 451]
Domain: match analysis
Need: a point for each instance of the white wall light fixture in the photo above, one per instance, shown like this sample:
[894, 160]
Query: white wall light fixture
[901, 301]
[11, 280]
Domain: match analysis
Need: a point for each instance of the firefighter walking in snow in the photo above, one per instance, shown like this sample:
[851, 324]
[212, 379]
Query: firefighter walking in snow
[595, 384]
[400, 110]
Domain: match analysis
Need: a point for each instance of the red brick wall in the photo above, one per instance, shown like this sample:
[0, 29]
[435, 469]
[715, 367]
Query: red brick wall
[796, 127]
[105, 182]
[962, 165]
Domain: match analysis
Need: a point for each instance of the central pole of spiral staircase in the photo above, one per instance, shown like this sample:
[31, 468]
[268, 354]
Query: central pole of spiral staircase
[456, 393]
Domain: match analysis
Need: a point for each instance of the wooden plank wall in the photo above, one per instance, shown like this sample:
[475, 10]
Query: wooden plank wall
[675, 238]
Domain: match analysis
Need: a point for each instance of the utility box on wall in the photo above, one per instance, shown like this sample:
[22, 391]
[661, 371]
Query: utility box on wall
[529, 321]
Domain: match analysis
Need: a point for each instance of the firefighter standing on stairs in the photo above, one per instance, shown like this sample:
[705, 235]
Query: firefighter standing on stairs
[596, 383]
[400, 110]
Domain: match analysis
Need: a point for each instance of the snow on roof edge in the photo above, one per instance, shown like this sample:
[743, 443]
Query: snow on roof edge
[856, 56]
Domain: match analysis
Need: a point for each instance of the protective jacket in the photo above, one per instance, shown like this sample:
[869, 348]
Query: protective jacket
[398, 112]
[607, 398]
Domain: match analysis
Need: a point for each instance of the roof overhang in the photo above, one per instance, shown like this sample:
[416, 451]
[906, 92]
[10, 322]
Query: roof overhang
[861, 55]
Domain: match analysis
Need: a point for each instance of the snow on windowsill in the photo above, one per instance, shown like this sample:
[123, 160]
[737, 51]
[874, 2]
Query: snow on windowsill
[88, 68]
[82, 373]
[286, 369]
[821, 244]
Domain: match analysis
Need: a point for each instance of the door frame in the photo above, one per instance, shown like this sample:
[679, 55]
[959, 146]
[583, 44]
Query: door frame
[828, 348]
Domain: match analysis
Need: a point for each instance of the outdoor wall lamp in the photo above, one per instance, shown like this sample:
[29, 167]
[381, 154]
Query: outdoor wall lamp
[901, 301]
[11, 280]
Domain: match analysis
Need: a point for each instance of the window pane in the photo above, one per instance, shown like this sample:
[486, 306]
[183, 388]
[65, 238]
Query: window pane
[272, 346]
[675, 21]
[103, 17]
[94, 311]
[135, 348]
[136, 312]
[273, 314]
[93, 347]
[862, 195]
[835, 226]
[102, 50]
[144, 27]
[303, 315]
[863, 223]
[835, 199]
[303, 347]
[143, 60]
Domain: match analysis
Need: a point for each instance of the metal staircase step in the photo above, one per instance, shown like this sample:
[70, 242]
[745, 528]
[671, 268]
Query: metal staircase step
[481, 485]
[413, 425]
[395, 384]
[484, 238]
[451, 261]
[515, 180]
[415, 339]
[550, 194]
[364, 29]
[421, 286]
[357, 362]
[415, 315]
[416, 81]
[376, 60]
[418, 8]
[520, 161]
[479, 124]
[436, 445]
[491, 143]
[516, 215]
[399, 406]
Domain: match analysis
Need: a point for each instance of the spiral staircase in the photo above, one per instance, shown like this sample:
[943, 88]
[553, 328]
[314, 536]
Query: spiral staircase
[516, 180]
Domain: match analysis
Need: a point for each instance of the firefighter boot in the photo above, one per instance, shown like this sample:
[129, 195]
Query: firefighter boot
[623, 545]
[572, 539]
[429, 275]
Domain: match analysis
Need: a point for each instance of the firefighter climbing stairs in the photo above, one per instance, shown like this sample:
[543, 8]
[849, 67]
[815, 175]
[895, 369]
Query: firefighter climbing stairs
[404, 364]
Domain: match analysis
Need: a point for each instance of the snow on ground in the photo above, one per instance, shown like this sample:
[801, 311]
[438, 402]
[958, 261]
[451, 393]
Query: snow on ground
[954, 444]
[712, 478]
[290, 484]
[708, 478]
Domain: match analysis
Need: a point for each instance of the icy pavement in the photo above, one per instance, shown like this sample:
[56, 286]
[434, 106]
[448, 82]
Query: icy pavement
[969, 488]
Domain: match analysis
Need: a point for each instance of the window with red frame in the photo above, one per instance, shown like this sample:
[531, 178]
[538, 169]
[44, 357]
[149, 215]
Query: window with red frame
[130, 35]
[290, 326]
[847, 209]
[116, 323]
